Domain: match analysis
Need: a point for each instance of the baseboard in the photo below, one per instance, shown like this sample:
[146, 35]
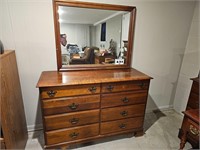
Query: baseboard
[161, 108]
[37, 127]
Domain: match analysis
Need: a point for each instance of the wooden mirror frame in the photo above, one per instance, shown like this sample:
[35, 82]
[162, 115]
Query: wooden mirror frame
[132, 10]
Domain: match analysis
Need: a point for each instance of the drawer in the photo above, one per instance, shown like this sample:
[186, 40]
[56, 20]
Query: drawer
[121, 125]
[71, 134]
[193, 130]
[123, 98]
[70, 104]
[71, 119]
[69, 91]
[122, 112]
[124, 86]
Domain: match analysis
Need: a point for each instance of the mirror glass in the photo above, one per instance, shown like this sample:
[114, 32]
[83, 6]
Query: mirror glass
[93, 36]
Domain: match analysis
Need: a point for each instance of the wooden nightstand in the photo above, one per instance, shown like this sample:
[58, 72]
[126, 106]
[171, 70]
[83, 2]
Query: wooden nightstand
[190, 129]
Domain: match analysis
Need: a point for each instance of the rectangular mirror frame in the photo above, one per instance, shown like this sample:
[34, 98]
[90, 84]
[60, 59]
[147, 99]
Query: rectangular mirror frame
[79, 4]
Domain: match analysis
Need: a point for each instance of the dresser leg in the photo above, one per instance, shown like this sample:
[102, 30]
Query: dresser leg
[183, 140]
[139, 133]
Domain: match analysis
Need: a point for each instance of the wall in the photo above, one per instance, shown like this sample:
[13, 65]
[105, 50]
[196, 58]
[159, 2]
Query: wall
[76, 34]
[113, 31]
[160, 38]
[191, 63]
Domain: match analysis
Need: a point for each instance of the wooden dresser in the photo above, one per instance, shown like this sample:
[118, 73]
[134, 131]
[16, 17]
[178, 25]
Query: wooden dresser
[190, 128]
[81, 106]
[13, 122]
[185, 134]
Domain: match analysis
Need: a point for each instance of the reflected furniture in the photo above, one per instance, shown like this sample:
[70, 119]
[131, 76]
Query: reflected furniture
[80, 107]
[14, 133]
[102, 59]
[190, 128]
[193, 105]
[87, 58]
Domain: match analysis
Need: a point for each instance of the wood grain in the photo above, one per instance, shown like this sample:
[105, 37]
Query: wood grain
[71, 119]
[64, 135]
[123, 98]
[61, 105]
[108, 114]
[55, 79]
[13, 120]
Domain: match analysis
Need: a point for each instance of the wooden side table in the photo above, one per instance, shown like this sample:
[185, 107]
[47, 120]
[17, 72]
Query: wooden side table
[190, 129]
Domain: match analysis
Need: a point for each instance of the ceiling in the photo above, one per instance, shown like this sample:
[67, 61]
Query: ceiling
[85, 15]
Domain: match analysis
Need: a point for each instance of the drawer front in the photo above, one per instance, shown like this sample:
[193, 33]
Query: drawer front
[124, 86]
[69, 91]
[71, 134]
[121, 125]
[193, 130]
[70, 104]
[124, 98]
[71, 119]
[193, 101]
[122, 112]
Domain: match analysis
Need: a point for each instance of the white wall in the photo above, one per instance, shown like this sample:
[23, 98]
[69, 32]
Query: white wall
[160, 38]
[76, 34]
[113, 31]
[191, 63]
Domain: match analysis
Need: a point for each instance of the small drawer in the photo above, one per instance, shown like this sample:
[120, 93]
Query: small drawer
[122, 112]
[193, 129]
[2, 143]
[121, 125]
[75, 90]
[70, 104]
[125, 86]
[71, 134]
[124, 98]
[71, 119]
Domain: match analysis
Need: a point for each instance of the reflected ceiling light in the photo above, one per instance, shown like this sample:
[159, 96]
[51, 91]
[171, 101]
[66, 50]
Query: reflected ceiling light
[60, 11]
[60, 20]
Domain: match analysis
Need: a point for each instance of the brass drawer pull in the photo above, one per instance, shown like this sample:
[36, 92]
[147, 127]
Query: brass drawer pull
[51, 93]
[124, 113]
[74, 120]
[74, 135]
[125, 100]
[92, 89]
[73, 106]
[142, 85]
[194, 130]
[122, 126]
[110, 87]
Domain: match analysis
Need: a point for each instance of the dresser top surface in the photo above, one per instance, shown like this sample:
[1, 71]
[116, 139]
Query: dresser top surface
[55, 78]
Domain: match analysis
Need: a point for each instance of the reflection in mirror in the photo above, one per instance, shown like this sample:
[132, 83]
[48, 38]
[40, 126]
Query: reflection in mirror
[93, 36]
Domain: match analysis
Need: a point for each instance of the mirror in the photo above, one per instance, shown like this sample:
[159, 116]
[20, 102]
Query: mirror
[93, 35]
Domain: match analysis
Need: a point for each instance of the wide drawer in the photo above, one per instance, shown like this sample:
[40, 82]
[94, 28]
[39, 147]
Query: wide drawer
[70, 104]
[125, 86]
[122, 112]
[123, 98]
[121, 125]
[71, 119]
[65, 135]
[54, 92]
